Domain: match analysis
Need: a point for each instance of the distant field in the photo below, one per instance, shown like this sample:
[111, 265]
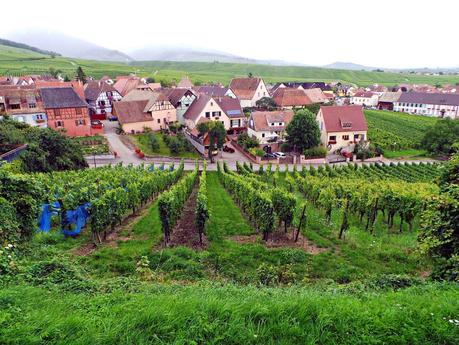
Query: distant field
[14, 61]
[397, 131]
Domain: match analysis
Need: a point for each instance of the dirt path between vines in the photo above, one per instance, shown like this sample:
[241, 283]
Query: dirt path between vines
[185, 232]
[280, 239]
[114, 236]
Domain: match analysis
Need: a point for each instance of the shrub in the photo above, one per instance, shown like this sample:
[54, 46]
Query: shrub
[315, 152]
[154, 144]
[246, 141]
[285, 147]
[257, 152]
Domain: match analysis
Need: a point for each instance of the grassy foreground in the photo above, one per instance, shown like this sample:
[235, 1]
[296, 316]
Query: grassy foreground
[214, 314]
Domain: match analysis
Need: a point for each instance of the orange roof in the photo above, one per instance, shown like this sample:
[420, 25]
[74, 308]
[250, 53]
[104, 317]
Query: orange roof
[262, 120]
[288, 97]
[125, 84]
[245, 88]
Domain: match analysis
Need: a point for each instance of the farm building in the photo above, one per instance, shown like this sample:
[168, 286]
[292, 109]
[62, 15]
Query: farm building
[429, 104]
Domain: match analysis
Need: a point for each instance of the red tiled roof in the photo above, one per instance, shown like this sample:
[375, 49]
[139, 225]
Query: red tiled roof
[230, 106]
[244, 88]
[346, 118]
[195, 109]
[287, 97]
[316, 95]
[131, 111]
[125, 84]
[364, 94]
[185, 83]
[259, 120]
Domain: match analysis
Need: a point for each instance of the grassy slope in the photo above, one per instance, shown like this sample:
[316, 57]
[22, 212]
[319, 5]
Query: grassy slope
[397, 131]
[142, 142]
[104, 303]
[16, 61]
[228, 315]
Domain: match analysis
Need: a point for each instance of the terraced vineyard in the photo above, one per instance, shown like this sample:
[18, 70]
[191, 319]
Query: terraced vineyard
[397, 131]
[233, 255]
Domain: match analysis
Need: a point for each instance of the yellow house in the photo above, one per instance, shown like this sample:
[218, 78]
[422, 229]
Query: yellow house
[155, 112]
[341, 126]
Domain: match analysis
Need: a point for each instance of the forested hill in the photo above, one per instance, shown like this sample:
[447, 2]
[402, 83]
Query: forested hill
[26, 46]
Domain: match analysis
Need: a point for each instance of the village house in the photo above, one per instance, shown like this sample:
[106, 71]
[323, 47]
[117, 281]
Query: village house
[341, 126]
[249, 90]
[144, 109]
[429, 104]
[23, 104]
[185, 83]
[74, 84]
[66, 111]
[207, 108]
[181, 99]
[269, 127]
[215, 90]
[365, 98]
[387, 100]
[316, 95]
[288, 98]
[125, 84]
[100, 97]
[303, 86]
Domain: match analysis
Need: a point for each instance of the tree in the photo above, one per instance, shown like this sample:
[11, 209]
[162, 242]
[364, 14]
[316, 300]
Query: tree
[440, 138]
[439, 236]
[217, 135]
[303, 131]
[80, 75]
[54, 72]
[266, 103]
[150, 80]
[250, 75]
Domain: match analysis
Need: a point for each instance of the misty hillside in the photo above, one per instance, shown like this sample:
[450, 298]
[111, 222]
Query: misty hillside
[69, 46]
[349, 66]
[170, 53]
[13, 44]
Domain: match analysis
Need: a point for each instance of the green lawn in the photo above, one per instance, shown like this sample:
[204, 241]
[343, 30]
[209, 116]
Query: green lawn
[127, 312]
[142, 141]
[406, 154]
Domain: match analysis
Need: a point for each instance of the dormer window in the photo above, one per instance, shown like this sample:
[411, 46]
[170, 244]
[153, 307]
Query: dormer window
[273, 124]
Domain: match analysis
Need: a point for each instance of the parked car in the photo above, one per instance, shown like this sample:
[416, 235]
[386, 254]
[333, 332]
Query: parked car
[97, 124]
[269, 155]
[112, 118]
[279, 154]
[228, 149]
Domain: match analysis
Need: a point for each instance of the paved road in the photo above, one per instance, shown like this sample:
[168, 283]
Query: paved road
[127, 156]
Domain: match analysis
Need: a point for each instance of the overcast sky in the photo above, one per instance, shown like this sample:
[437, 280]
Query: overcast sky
[389, 33]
